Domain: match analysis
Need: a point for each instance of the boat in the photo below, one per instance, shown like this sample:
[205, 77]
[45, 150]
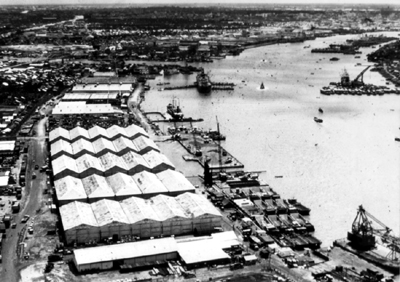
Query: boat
[203, 82]
[262, 86]
[320, 110]
[318, 120]
[334, 59]
[174, 110]
[397, 139]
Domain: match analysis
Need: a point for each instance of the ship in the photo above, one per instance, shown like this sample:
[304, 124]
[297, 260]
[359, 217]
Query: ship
[203, 82]
[174, 110]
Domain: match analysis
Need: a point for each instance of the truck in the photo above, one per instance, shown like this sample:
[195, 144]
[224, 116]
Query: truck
[15, 207]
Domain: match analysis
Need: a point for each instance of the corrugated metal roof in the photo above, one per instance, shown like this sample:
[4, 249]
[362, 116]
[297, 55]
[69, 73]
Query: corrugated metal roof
[143, 143]
[109, 161]
[201, 250]
[69, 188]
[138, 210]
[78, 132]
[86, 162]
[61, 146]
[155, 159]
[134, 130]
[125, 251]
[63, 163]
[167, 208]
[133, 160]
[149, 183]
[97, 187]
[197, 205]
[123, 185]
[109, 212]
[96, 131]
[116, 130]
[175, 181]
[58, 132]
[101, 144]
[77, 215]
[122, 143]
[80, 145]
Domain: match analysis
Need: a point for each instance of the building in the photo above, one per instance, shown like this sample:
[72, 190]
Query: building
[7, 147]
[83, 108]
[193, 251]
[158, 216]
[104, 88]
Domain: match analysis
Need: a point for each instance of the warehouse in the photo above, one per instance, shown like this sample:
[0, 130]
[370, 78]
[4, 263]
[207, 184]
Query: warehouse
[98, 88]
[92, 98]
[121, 145]
[134, 253]
[158, 216]
[111, 133]
[192, 252]
[83, 108]
[109, 164]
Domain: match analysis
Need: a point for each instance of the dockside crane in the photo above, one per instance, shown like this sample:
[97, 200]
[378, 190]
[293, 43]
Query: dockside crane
[362, 235]
[359, 80]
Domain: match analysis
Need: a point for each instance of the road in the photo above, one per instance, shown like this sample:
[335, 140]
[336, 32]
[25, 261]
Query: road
[30, 203]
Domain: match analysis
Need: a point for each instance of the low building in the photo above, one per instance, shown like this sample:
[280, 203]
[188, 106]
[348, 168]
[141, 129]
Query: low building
[7, 147]
[193, 252]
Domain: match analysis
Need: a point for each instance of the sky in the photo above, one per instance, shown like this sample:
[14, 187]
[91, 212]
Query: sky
[59, 2]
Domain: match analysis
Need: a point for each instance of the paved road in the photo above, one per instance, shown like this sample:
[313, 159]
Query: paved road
[33, 194]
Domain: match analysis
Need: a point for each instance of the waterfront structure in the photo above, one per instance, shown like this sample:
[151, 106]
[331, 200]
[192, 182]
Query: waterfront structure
[192, 251]
[158, 216]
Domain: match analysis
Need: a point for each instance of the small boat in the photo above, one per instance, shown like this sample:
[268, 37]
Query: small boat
[262, 86]
[318, 120]
[397, 139]
[320, 110]
[334, 59]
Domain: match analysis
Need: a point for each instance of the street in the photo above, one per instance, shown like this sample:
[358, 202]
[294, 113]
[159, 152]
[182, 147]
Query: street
[30, 204]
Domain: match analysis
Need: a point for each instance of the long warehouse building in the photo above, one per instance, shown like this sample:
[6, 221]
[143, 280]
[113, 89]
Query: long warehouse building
[159, 216]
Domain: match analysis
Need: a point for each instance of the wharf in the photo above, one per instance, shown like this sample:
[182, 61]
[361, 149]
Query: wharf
[368, 89]
[370, 256]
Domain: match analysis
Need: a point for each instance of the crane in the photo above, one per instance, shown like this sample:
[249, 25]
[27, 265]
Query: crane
[356, 81]
[362, 235]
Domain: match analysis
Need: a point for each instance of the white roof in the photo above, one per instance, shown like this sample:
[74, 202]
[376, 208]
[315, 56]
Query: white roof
[134, 130]
[102, 144]
[167, 208]
[114, 87]
[109, 212]
[155, 159]
[97, 187]
[138, 210]
[78, 132]
[69, 188]
[197, 205]
[109, 161]
[133, 160]
[122, 143]
[77, 215]
[144, 143]
[63, 163]
[125, 251]
[78, 108]
[86, 162]
[61, 146]
[149, 183]
[96, 131]
[58, 132]
[7, 145]
[175, 181]
[200, 249]
[123, 185]
[81, 144]
[135, 210]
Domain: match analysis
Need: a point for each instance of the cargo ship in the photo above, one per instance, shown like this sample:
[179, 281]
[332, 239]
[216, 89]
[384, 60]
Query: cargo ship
[203, 83]
[174, 110]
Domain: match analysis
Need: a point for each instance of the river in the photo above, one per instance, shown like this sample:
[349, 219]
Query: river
[350, 159]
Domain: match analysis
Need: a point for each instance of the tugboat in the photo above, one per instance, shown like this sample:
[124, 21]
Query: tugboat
[318, 120]
[262, 86]
[203, 82]
[174, 110]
